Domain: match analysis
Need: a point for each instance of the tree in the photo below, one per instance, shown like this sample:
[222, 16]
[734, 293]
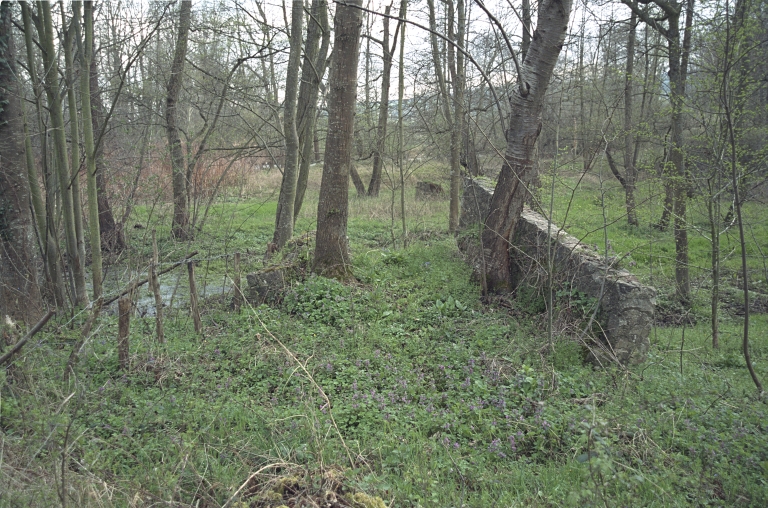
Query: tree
[86, 54]
[452, 116]
[629, 180]
[381, 128]
[43, 210]
[180, 229]
[312, 71]
[112, 235]
[65, 177]
[20, 296]
[523, 128]
[332, 249]
[286, 201]
[678, 52]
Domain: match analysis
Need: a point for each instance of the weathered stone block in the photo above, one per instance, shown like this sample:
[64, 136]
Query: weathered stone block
[625, 306]
[266, 286]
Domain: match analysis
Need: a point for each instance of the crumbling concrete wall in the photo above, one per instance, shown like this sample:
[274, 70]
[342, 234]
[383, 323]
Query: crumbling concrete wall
[624, 306]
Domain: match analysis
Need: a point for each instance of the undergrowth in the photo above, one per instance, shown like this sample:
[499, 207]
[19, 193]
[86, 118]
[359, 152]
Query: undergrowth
[399, 389]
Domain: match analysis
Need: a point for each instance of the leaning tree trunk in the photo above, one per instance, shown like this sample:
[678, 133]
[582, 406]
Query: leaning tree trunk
[19, 292]
[287, 200]
[332, 249]
[180, 229]
[527, 102]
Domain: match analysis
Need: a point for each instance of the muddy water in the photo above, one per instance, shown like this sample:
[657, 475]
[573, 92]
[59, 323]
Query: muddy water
[174, 290]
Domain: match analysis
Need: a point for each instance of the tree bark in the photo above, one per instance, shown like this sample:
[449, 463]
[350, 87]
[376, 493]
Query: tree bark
[51, 66]
[74, 150]
[86, 54]
[332, 248]
[180, 228]
[450, 105]
[312, 71]
[20, 296]
[44, 210]
[381, 128]
[287, 199]
[527, 102]
[629, 150]
[285, 204]
[678, 49]
[456, 66]
[400, 137]
[112, 235]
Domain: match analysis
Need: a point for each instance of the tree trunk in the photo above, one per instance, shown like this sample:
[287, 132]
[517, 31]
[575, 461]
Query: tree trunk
[456, 66]
[20, 296]
[527, 102]
[74, 151]
[381, 128]
[449, 100]
[112, 236]
[287, 199]
[180, 229]
[357, 181]
[400, 138]
[50, 64]
[332, 249]
[312, 71]
[49, 247]
[679, 185]
[629, 151]
[526, 29]
[90, 155]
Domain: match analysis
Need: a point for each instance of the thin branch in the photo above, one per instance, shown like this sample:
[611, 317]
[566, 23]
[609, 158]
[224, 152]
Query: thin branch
[446, 39]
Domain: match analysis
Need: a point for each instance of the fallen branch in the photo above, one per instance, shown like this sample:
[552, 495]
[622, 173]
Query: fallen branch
[245, 484]
[20, 344]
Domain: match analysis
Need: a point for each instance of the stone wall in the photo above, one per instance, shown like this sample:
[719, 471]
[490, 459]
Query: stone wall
[625, 306]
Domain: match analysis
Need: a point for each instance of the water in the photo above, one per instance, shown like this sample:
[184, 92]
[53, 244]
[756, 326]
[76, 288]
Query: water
[174, 291]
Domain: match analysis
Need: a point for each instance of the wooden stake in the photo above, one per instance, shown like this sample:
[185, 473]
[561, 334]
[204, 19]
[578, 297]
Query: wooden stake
[74, 356]
[237, 298]
[193, 297]
[155, 285]
[124, 325]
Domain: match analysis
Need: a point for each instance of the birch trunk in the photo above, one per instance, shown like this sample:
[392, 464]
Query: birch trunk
[524, 125]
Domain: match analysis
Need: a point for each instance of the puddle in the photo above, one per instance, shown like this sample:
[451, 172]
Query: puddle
[174, 290]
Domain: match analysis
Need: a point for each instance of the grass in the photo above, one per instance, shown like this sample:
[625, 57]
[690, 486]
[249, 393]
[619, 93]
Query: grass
[435, 399]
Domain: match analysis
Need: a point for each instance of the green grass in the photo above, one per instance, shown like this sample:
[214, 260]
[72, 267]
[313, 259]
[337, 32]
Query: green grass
[436, 400]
